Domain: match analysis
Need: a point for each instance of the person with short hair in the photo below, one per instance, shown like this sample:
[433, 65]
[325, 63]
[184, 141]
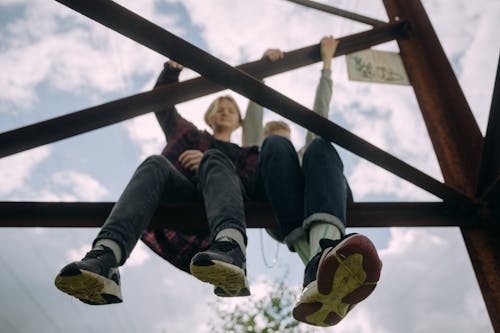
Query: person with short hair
[277, 127]
[254, 134]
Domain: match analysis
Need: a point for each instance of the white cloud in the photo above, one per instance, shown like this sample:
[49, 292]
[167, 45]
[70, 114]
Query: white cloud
[366, 179]
[249, 30]
[77, 253]
[42, 47]
[478, 63]
[82, 186]
[65, 185]
[146, 132]
[47, 195]
[11, 2]
[468, 40]
[16, 169]
[138, 257]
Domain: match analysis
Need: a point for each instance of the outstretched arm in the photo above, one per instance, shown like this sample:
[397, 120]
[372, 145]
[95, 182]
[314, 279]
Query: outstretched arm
[169, 119]
[324, 89]
[252, 123]
[252, 133]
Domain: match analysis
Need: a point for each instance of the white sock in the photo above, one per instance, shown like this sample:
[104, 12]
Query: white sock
[301, 246]
[117, 251]
[232, 234]
[319, 230]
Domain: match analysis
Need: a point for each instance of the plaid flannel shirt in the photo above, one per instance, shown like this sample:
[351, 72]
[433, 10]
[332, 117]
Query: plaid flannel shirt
[175, 246]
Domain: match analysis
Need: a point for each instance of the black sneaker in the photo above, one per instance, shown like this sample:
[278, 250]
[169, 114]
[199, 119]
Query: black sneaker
[224, 266]
[343, 274]
[245, 291]
[93, 280]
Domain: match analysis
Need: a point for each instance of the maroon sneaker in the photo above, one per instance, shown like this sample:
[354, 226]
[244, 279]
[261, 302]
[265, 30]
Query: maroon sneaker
[343, 274]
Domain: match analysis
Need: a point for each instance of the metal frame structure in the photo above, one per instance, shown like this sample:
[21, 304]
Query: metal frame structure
[470, 163]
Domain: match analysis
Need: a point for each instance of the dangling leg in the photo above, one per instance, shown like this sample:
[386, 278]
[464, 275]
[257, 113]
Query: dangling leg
[343, 270]
[325, 197]
[224, 263]
[95, 279]
[281, 182]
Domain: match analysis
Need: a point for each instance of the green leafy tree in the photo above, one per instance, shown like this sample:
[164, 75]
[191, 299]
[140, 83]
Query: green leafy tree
[270, 314]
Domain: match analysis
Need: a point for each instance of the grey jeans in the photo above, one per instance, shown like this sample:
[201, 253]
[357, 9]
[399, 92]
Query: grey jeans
[156, 180]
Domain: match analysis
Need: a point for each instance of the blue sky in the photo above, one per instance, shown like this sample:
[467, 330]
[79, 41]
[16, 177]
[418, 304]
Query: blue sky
[54, 61]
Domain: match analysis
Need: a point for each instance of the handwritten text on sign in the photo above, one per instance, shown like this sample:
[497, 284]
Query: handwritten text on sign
[376, 66]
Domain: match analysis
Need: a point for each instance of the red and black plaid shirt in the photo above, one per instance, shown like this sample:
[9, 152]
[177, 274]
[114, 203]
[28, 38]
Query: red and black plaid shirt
[179, 247]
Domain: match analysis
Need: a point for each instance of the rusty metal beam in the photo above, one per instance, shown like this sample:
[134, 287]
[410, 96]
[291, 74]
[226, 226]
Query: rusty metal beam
[483, 246]
[491, 195]
[150, 35]
[454, 134]
[483, 240]
[89, 119]
[338, 12]
[452, 128]
[191, 216]
[489, 172]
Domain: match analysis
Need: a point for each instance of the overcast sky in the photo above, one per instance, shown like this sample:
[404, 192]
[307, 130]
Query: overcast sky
[54, 61]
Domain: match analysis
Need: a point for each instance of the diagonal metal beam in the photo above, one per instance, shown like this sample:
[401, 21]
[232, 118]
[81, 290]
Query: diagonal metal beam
[492, 194]
[338, 12]
[455, 136]
[150, 35]
[489, 171]
[191, 216]
[79, 122]
[452, 128]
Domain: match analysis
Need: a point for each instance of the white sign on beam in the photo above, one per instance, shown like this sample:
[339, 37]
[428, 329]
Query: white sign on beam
[376, 66]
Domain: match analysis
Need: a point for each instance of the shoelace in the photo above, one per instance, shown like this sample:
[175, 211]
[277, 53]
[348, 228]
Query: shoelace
[325, 243]
[94, 253]
[312, 265]
[223, 246]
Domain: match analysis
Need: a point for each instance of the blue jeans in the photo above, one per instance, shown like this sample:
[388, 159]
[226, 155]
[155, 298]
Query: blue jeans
[300, 195]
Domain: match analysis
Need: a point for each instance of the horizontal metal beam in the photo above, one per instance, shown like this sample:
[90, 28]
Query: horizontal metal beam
[191, 216]
[150, 35]
[89, 119]
[338, 12]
